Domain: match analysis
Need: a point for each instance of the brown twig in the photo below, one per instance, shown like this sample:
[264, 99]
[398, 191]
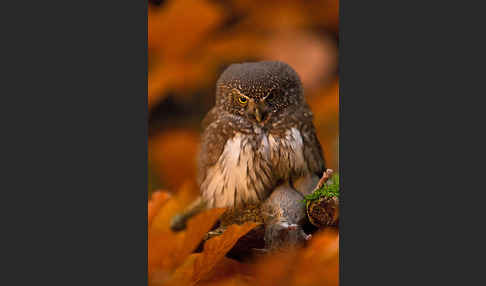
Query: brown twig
[325, 176]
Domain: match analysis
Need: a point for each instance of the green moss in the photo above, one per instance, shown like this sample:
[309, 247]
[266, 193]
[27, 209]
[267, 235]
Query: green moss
[329, 190]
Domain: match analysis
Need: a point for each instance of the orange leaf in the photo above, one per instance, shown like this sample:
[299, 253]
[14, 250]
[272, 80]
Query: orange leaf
[315, 264]
[276, 268]
[162, 251]
[167, 250]
[197, 227]
[163, 243]
[198, 266]
[217, 247]
[184, 196]
[156, 202]
[228, 272]
[319, 262]
[182, 276]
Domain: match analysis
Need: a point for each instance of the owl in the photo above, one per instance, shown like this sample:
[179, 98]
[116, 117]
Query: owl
[257, 137]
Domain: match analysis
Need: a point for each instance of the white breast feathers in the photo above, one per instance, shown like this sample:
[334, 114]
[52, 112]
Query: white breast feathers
[250, 166]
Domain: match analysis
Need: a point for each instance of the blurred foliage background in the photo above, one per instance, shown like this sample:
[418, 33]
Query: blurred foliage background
[190, 42]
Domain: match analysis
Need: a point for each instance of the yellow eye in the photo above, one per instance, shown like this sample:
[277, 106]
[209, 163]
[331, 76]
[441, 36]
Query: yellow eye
[242, 100]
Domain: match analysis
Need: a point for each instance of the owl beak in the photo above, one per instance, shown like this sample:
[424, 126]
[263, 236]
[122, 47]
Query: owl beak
[258, 110]
[261, 112]
[258, 114]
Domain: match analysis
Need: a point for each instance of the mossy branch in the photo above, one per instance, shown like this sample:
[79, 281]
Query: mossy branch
[322, 205]
[328, 189]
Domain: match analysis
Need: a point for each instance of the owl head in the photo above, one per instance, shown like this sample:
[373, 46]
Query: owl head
[257, 91]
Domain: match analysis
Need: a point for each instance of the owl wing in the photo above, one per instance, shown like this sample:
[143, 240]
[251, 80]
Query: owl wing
[312, 151]
[210, 117]
[313, 154]
[216, 133]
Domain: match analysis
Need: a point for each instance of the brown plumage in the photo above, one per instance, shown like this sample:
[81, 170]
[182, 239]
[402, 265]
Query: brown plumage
[258, 136]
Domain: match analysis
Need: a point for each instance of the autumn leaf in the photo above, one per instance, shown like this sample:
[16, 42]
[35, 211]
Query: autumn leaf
[216, 248]
[198, 266]
[167, 249]
[228, 272]
[176, 203]
[197, 227]
[157, 200]
[163, 243]
[318, 264]
[276, 268]
[171, 261]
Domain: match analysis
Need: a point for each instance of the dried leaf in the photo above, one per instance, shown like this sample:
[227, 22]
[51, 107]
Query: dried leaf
[167, 249]
[158, 199]
[162, 250]
[163, 243]
[217, 247]
[180, 200]
[226, 271]
[197, 227]
[318, 264]
[181, 276]
[234, 280]
[276, 268]
[198, 266]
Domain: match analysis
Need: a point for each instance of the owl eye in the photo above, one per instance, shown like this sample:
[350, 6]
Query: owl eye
[243, 100]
